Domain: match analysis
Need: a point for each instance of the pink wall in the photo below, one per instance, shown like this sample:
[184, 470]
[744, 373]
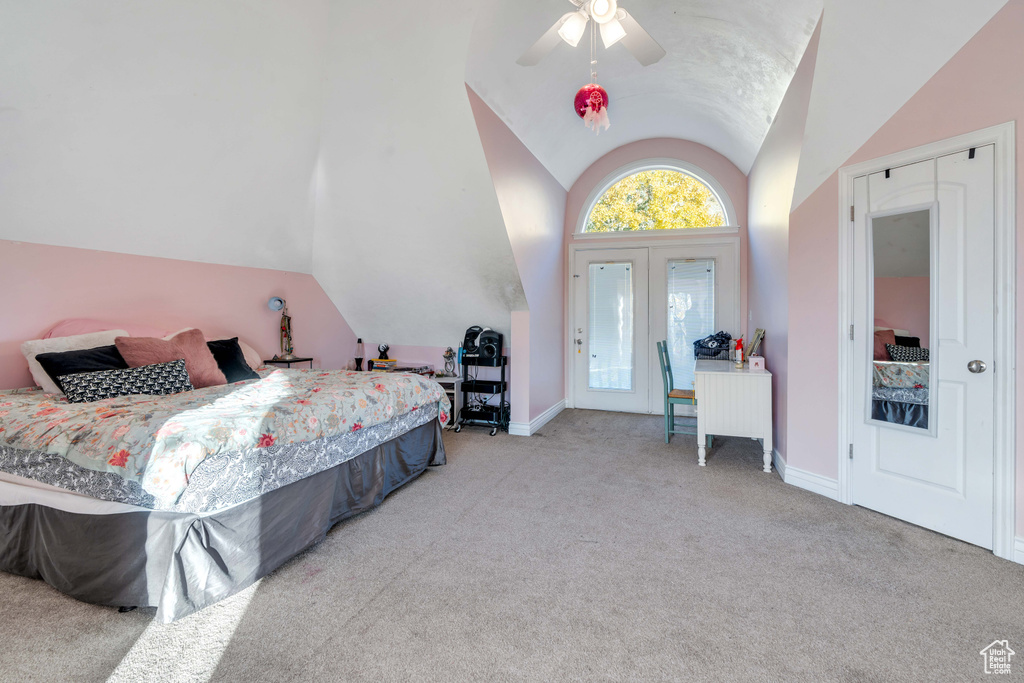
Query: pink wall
[903, 303]
[723, 170]
[982, 85]
[533, 206]
[771, 180]
[45, 284]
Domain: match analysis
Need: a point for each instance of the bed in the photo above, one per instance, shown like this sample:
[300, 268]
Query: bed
[178, 501]
[899, 392]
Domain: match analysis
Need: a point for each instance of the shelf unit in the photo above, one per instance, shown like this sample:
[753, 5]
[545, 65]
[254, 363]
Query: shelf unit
[485, 415]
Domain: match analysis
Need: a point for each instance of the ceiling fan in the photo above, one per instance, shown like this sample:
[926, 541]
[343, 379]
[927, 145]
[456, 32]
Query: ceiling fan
[616, 25]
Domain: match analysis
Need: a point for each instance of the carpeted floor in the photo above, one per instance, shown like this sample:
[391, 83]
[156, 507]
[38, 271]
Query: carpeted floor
[591, 551]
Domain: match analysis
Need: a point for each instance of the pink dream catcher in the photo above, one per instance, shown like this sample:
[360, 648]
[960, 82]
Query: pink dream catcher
[592, 107]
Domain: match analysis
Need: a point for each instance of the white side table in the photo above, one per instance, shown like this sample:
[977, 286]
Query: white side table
[452, 387]
[733, 401]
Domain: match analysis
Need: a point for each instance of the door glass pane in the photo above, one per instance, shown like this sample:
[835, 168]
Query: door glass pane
[901, 251]
[610, 317]
[691, 313]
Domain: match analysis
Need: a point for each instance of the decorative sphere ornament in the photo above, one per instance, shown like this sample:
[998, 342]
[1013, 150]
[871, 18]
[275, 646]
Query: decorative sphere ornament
[592, 106]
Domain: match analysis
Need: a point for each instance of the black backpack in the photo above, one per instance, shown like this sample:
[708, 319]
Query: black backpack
[713, 346]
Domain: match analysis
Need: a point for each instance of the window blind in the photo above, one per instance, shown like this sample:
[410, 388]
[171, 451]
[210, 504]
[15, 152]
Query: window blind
[691, 313]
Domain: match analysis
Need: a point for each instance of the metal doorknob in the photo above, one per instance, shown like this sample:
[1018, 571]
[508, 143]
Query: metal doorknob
[977, 366]
[579, 342]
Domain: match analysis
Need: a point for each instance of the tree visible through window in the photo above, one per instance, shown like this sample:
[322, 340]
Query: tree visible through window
[656, 200]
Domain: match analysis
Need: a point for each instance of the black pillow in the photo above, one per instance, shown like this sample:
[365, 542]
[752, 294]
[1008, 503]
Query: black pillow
[158, 379]
[906, 354]
[81, 360]
[912, 342]
[231, 360]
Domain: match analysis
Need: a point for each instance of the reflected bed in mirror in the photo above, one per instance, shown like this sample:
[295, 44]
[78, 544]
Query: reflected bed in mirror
[902, 306]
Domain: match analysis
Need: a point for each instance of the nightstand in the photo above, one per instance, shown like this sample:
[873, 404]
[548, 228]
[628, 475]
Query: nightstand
[288, 362]
[453, 387]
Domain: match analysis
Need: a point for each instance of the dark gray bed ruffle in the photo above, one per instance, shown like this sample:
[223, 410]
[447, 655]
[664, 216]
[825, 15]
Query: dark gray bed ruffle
[183, 562]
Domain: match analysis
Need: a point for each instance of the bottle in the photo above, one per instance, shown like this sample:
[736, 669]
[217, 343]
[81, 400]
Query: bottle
[739, 352]
[359, 354]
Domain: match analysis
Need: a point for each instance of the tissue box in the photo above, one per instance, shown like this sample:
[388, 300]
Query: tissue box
[757, 363]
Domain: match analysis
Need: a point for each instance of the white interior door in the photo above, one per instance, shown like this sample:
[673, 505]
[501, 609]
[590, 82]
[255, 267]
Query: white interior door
[924, 263]
[610, 330]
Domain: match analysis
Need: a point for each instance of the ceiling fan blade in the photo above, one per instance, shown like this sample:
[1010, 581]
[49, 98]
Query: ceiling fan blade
[546, 44]
[638, 41]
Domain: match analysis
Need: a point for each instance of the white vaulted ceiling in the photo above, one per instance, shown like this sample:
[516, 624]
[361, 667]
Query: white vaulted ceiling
[728, 65]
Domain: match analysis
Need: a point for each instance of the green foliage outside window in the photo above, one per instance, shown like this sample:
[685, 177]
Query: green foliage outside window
[656, 200]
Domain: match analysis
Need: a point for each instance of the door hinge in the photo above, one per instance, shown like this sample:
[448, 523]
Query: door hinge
[851, 332]
[851, 213]
[851, 451]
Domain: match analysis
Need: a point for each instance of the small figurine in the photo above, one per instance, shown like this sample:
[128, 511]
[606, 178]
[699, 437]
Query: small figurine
[383, 351]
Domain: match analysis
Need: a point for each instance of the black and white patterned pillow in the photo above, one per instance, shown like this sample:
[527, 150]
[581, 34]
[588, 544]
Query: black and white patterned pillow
[159, 379]
[906, 354]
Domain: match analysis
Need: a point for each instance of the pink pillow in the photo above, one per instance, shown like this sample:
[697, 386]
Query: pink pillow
[189, 344]
[883, 337]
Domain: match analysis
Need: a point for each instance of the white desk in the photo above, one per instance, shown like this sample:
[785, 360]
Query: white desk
[733, 402]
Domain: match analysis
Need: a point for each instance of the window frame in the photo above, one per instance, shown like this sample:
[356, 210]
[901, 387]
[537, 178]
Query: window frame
[664, 164]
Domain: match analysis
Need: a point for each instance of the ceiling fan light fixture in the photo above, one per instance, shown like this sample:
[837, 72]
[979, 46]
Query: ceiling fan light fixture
[612, 32]
[573, 27]
[603, 11]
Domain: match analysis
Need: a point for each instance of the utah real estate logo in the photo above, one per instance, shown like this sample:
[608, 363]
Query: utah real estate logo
[997, 657]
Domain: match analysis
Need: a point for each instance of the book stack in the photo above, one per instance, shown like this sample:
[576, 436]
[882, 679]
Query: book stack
[386, 365]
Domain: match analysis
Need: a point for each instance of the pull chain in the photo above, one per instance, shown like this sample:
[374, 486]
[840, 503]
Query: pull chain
[593, 52]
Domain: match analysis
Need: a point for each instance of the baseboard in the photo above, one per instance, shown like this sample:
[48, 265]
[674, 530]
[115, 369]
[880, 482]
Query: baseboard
[534, 425]
[780, 464]
[1018, 550]
[519, 428]
[810, 481]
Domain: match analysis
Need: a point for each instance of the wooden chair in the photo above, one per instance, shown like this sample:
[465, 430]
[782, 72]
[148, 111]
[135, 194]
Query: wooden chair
[673, 396]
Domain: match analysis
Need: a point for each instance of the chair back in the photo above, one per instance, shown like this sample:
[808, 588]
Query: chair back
[666, 366]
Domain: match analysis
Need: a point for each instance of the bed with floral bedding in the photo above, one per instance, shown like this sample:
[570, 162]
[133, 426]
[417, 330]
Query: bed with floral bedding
[157, 443]
[214, 472]
[899, 392]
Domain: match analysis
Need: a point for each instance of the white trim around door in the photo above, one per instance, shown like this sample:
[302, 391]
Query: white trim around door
[697, 246]
[1003, 138]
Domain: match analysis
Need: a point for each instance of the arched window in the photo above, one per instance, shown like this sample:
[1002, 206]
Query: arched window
[657, 196]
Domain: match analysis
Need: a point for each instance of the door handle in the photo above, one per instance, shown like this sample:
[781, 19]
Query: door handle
[977, 366]
[579, 342]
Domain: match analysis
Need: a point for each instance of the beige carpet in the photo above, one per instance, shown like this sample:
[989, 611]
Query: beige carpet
[591, 551]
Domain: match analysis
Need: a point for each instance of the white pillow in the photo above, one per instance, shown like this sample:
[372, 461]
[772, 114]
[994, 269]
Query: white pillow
[900, 333]
[33, 348]
[252, 357]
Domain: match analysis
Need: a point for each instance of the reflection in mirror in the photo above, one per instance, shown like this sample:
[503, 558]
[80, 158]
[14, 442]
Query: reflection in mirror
[902, 305]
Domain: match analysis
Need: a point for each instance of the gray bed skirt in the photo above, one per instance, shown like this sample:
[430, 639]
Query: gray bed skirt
[183, 562]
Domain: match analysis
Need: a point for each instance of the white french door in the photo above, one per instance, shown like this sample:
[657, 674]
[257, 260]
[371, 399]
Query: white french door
[626, 300]
[610, 333]
[923, 266]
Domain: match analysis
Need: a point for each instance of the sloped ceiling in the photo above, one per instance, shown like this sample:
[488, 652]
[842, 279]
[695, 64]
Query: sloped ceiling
[409, 240]
[873, 56]
[728, 65]
[184, 129]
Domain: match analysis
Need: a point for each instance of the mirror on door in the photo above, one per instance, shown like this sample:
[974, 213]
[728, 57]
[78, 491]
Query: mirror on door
[901, 265]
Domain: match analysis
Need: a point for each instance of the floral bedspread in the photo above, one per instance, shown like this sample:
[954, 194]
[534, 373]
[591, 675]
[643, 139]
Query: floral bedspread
[900, 375]
[158, 441]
